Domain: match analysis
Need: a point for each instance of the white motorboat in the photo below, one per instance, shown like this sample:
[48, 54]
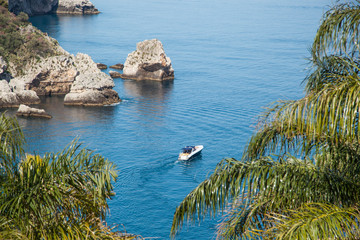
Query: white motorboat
[190, 151]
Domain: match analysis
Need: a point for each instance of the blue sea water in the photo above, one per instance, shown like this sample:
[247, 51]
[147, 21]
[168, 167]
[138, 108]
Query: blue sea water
[231, 58]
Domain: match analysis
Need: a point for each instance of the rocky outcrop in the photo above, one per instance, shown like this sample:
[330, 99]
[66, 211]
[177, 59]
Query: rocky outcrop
[118, 66]
[33, 7]
[44, 68]
[76, 7]
[37, 7]
[114, 74]
[7, 97]
[148, 62]
[76, 77]
[52, 76]
[11, 98]
[91, 86]
[101, 66]
[4, 74]
[26, 111]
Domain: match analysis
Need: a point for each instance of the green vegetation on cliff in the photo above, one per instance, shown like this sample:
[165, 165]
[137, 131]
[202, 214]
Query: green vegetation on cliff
[4, 3]
[20, 42]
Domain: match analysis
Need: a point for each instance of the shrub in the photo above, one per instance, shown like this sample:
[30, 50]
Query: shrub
[18, 45]
[4, 3]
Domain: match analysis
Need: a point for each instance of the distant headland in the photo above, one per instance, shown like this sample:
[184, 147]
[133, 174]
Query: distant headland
[38, 7]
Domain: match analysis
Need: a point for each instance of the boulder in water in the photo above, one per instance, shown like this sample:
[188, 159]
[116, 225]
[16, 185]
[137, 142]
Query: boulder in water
[26, 111]
[118, 66]
[148, 62]
[115, 74]
[101, 66]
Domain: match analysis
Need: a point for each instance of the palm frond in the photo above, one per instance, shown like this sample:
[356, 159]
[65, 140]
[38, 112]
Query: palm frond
[279, 183]
[316, 221]
[331, 69]
[11, 143]
[332, 113]
[339, 31]
[55, 194]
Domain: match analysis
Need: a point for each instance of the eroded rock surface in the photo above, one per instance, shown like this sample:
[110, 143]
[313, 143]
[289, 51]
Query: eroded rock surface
[58, 73]
[76, 7]
[33, 7]
[115, 74]
[52, 76]
[65, 74]
[101, 66]
[118, 66]
[91, 86]
[11, 98]
[4, 74]
[148, 62]
[26, 111]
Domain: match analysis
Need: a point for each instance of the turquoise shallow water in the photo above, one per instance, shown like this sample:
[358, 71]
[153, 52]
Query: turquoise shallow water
[231, 58]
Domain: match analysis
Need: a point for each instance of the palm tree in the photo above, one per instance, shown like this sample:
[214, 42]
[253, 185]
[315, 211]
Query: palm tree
[55, 196]
[299, 177]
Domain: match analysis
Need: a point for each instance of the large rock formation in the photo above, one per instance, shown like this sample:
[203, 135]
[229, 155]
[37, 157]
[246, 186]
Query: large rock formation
[11, 98]
[52, 76]
[76, 76]
[148, 62]
[61, 73]
[33, 7]
[37, 7]
[91, 86]
[76, 7]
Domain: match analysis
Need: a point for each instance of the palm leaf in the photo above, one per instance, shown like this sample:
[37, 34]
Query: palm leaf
[316, 221]
[278, 183]
[339, 30]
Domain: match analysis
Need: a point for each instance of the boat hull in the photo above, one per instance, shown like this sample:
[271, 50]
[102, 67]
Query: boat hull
[186, 157]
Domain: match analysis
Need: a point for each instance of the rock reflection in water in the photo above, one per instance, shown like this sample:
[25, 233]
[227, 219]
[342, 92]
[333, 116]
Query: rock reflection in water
[152, 97]
[156, 90]
[68, 122]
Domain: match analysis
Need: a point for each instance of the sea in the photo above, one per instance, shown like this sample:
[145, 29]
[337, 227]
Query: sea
[231, 59]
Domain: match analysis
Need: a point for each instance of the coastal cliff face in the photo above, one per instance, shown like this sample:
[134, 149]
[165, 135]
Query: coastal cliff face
[32, 7]
[38, 7]
[76, 7]
[33, 64]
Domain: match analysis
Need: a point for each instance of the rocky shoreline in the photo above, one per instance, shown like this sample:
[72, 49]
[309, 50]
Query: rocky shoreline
[50, 70]
[58, 73]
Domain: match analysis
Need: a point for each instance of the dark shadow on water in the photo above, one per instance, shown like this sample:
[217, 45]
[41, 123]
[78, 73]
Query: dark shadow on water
[46, 23]
[54, 105]
[152, 97]
[68, 123]
[155, 90]
[52, 23]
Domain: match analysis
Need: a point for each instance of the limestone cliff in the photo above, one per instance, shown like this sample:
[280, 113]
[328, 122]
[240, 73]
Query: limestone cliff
[37, 7]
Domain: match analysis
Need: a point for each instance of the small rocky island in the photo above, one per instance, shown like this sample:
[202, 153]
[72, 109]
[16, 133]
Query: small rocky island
[148, 62]
[37, 7]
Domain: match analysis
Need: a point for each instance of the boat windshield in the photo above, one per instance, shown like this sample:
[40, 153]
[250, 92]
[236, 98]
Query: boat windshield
[187, 149]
